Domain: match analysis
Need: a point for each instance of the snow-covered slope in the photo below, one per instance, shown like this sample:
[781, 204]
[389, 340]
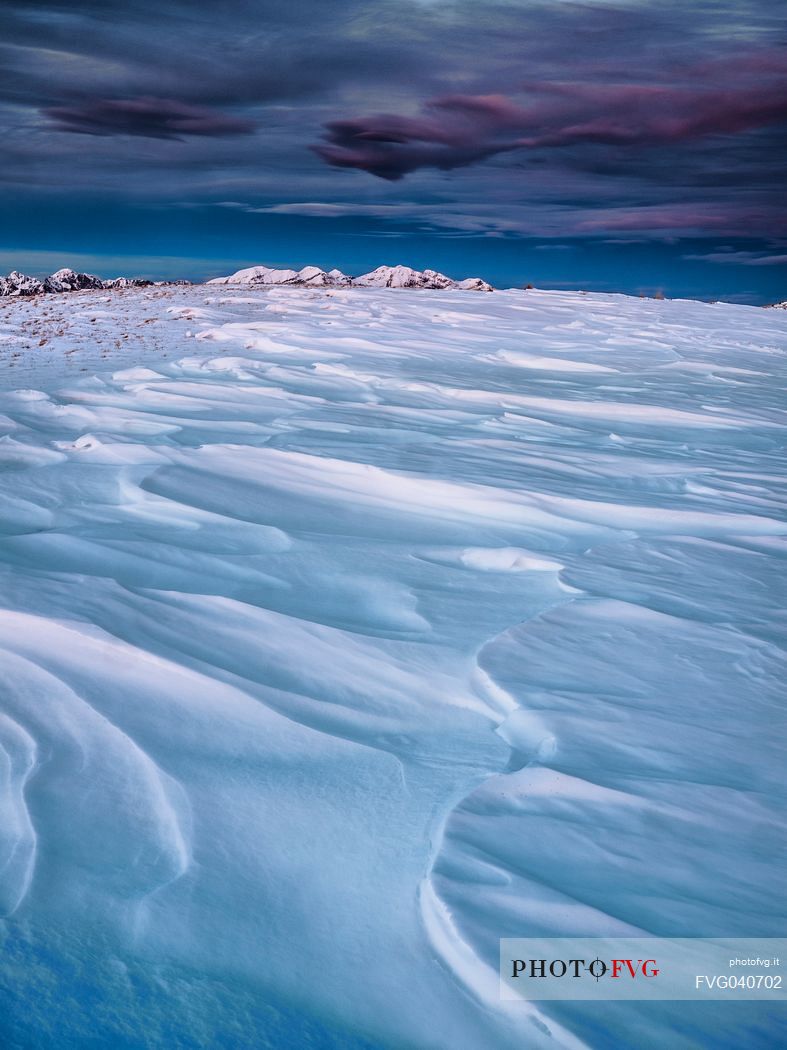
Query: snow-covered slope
[343, 632]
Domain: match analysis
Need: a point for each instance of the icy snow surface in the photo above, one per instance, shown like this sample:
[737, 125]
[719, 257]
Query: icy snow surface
[344, 632]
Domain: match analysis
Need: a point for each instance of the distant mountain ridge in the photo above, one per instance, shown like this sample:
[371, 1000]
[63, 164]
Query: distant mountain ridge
[382, 277]
[67, 280]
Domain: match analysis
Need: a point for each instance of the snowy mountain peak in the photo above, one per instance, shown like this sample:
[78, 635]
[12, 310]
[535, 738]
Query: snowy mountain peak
[19, 284]
[314, 276]
[403, 277]
[67, 280]
[407, 277]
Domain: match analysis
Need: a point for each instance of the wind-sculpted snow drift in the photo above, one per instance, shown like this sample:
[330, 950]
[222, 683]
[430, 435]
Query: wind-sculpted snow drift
[344, 633]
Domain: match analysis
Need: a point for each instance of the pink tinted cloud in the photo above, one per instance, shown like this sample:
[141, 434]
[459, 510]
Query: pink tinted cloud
[452, 131]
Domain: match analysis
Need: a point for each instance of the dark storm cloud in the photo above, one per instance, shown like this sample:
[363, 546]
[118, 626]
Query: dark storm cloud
[234, 53]
[155, 118]
[748, 93]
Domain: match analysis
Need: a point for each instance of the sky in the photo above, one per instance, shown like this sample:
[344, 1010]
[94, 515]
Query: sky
[628, 145]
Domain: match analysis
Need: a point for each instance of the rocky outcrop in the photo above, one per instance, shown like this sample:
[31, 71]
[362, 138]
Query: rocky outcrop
[474, 284]
[127, 282]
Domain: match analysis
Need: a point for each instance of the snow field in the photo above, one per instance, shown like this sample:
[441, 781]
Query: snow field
[347, 631]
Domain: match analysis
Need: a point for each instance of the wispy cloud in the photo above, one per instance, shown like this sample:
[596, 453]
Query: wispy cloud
[740, 258]
[683, 219]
